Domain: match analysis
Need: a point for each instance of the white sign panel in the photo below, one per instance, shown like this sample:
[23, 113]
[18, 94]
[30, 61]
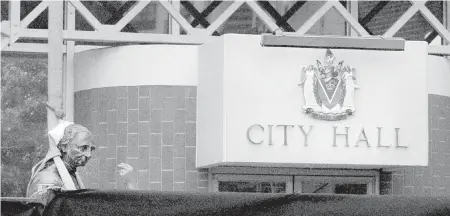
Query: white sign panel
[278, 106]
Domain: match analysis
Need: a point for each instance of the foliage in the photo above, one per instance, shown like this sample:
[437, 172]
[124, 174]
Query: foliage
[24, 122]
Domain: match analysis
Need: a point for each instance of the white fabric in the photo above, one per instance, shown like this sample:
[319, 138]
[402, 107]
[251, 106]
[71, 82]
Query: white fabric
[57, 132]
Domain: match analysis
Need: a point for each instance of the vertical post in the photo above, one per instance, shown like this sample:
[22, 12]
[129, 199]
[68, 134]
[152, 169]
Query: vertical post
[210, 180]
[174, 26]
[446, 19]
[14, 21]
[352, 7]
[377, 183]
[55, 59]
[69, 63]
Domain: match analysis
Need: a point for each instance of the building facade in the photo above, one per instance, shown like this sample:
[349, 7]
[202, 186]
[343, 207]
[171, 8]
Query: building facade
[143, 101]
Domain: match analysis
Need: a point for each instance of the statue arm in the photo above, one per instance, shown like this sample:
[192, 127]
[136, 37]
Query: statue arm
[125, 171]
[131, 185]
[302, 76]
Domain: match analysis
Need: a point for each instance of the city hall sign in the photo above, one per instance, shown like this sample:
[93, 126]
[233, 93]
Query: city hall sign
[328, 90]
[301, 107]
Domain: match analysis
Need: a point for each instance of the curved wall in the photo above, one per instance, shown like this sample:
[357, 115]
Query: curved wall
[136, 65]
[438, 75]
[140, 103]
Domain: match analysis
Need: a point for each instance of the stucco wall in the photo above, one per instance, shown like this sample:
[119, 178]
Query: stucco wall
[141, 116]
[434, 179]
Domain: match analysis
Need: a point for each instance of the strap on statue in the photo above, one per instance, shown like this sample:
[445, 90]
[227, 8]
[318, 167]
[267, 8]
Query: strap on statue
[63, 173]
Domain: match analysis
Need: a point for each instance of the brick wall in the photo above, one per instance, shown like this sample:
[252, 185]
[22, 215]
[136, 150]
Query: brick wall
[433, 180]
[150, 127]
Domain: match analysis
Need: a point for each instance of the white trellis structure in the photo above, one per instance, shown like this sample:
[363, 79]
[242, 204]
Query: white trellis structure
[15, 28]
[61, 33]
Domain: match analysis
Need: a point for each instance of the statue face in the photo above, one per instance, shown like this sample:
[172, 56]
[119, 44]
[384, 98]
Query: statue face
[78, 152]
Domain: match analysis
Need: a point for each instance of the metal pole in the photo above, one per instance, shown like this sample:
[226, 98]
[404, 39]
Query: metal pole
[352, 7]
[174, 26]
[55, 59]
[446, 19]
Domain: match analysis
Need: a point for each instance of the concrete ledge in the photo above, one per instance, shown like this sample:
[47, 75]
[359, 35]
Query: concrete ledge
[370, 43]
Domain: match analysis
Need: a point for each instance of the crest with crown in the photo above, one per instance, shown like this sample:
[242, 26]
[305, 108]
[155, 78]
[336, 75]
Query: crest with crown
[328, 89]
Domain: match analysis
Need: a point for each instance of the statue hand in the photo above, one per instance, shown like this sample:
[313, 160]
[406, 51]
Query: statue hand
[125, 171]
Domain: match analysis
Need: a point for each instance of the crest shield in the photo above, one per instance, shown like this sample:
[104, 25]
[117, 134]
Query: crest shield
[328, 89]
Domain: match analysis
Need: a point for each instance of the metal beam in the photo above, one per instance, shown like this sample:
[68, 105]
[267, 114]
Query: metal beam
[373, 12]
[439, 50]
[118, 14]
[34, 34]
[350, 19]
[208, 10]
[431, 36]
[402, 21]
[14, 23]
[434, 22]
[5, 43]
[177, 16]
[34, 14]
[91, 19]
[135, 10]
[277, 16]
[262, 15]
[30, 48]
[125, 37]
[199, 18]
[119, 37]
[293, 10]
[224, 16]
[5, 28]
[315, 17]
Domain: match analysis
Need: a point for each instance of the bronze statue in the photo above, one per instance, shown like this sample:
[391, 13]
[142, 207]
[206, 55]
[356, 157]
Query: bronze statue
[70, 147]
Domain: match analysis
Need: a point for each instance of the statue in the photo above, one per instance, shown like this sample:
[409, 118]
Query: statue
[70, 147]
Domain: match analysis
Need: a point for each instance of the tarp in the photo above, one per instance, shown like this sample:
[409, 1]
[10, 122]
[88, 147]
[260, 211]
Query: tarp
[11, 207]
[92, 202]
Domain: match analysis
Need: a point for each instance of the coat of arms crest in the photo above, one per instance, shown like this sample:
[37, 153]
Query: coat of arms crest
[328, 89]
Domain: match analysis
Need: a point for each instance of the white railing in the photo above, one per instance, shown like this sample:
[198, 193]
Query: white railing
[14, 28]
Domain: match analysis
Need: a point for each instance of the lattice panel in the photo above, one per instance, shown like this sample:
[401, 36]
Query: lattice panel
[15, 28]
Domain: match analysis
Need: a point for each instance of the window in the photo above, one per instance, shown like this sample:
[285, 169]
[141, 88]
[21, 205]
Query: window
[334, 185]
[253, 183]
[328, 182]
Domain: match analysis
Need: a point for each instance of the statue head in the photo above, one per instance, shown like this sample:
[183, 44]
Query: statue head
[76, 146]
